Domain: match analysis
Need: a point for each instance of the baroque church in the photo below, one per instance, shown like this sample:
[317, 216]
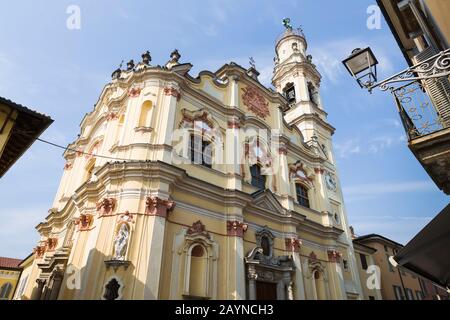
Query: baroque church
[207, 187]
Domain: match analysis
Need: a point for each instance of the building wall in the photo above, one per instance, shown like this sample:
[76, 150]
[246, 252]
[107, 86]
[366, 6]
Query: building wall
[440, 14]
[9, 276]
[390, 276]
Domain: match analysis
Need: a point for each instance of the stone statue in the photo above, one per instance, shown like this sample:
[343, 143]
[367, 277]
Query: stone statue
[121, 242]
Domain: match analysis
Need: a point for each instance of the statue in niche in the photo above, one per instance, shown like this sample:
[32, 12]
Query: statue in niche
[121, 242]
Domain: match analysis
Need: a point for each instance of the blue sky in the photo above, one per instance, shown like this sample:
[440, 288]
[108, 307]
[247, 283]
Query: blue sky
[61, 72]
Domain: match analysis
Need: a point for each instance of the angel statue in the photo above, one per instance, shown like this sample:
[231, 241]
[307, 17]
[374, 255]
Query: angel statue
[287, 23]
[121, 242]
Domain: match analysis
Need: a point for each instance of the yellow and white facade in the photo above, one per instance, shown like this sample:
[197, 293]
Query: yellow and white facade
[264, 219]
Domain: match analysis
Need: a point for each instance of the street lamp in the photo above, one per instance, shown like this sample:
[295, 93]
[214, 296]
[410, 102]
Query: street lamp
[362, 65]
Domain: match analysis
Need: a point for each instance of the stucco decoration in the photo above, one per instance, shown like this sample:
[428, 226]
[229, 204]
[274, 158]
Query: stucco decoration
[293, 244]
[255, 102]
[121, 242]
[334, 256]
[106, 206]
[39, 251]
[198, 228]
[155, 206]
[51, 243]
[299, 172]
[236, 228]
[84, 222]
[174, 92]
[134, 92]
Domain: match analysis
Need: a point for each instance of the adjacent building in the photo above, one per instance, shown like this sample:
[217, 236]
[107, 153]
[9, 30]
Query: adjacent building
[19, 128]
[9, 277]
[397, 283]
[207, 187]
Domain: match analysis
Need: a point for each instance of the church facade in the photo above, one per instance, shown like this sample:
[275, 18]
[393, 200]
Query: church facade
[214, 187]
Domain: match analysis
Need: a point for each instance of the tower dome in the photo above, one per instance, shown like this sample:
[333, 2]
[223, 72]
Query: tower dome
[291, 41]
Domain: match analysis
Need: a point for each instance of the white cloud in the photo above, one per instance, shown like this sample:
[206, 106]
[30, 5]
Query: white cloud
[348, 148]
[328, 57]
[376, 189]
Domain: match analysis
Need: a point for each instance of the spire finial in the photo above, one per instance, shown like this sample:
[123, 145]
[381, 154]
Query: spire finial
[251, 61]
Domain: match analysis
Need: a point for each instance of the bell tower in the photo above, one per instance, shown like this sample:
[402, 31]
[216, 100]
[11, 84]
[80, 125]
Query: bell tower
[296, 77]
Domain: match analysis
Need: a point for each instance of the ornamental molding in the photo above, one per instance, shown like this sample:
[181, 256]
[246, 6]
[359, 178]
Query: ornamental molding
[134, 92]
[84, 222]
[334, 256]
[171, 91]
[155, 206]
[198, 229]
[298, 171]
[236, 228]
[293, 244]
[255, 102]
[106, 206]
[51, 244]
[39, 251]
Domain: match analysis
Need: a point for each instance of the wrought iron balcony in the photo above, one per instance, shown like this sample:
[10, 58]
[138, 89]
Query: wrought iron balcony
[422, 95]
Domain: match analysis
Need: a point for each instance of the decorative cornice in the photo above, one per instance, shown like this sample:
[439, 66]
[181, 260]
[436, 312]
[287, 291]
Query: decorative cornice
[236, 228]
[155, 206]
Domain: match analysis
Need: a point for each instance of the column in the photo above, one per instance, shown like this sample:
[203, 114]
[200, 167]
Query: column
[157, 210]
[252, 276]
[38, 293]
[336, 275]
[167, 119]
[293, 245]
[57, 281]
[235, 258]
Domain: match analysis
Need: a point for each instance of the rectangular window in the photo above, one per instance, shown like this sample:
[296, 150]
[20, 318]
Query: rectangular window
[302, 195]
[200, 151]
[363, 261]
[409, 294]
[258, 179]
[419, 295]
[398, 293]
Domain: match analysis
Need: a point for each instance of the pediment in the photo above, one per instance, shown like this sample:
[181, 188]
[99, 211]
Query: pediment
[266, 200]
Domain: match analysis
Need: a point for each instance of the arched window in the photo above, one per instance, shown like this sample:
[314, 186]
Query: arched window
[289, 92]
[5, 291]
[302, 195]
[112, 290]
[89, 169]
[258, 180]
[198, 272]
[312, 91]
[265, 245]
[145, 116]
[200, 151]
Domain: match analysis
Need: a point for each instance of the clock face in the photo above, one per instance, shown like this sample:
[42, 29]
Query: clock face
[330, 182]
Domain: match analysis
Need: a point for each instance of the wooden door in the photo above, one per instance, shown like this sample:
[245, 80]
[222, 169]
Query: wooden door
[266, 291]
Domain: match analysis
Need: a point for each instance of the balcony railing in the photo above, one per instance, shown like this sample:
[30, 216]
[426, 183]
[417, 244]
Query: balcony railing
[417, 111]
[422, 95]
